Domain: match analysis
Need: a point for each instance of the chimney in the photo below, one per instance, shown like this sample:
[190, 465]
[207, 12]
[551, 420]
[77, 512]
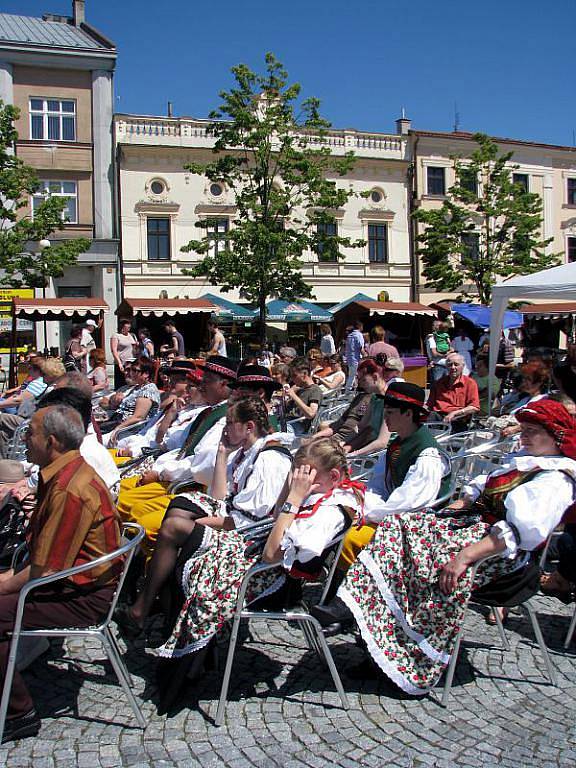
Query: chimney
[403, 124]
[78, 12]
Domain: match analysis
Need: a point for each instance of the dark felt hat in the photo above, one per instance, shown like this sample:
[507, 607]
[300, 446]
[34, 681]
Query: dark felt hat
[222, 366]
[255, 377]
[401, 394]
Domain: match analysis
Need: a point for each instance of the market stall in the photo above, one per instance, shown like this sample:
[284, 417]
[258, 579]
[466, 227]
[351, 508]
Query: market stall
[407, 324]
[544, 322]
[77, 310]
[303, 317]
[189, 315]
[556, 283]
[237, 324]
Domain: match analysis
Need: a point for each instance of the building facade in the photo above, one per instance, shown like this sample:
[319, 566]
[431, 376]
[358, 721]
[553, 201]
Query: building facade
[58, 71]
[544, 169]
[160, 203]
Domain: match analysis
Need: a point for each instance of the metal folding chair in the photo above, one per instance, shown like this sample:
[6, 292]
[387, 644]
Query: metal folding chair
[526, 606]
[17, 444]
[310, 626]
[361, 467]
[132, 535]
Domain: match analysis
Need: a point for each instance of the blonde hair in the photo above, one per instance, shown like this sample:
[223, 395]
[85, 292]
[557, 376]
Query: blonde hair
[324, 454]
[52, 367]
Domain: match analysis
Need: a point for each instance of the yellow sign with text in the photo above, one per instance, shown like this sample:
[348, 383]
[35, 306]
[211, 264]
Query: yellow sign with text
[6, 296]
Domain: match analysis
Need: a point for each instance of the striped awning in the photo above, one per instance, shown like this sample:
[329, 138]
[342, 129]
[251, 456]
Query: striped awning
[52, 309]
[549, 311]
[396, 308]
[161, 307]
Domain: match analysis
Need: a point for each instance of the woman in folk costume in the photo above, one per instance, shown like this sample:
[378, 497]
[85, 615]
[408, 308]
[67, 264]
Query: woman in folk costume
[251, 469]
[322, 502]
[408, 588]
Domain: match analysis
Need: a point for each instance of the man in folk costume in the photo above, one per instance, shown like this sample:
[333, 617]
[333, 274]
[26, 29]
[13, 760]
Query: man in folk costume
[252, 379]
[145, 498]
[410, 475]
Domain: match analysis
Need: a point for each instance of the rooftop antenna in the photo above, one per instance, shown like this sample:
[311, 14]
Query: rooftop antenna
[456, 118]
[403, 113]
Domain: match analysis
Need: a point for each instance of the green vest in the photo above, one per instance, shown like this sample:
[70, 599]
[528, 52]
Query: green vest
[274, 423]
[201, 424]
[402, 454]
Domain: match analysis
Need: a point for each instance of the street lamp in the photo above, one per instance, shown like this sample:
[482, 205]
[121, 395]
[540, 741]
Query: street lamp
[43, 245]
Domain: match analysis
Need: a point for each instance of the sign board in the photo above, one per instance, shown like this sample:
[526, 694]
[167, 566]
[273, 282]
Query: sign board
[6, 296]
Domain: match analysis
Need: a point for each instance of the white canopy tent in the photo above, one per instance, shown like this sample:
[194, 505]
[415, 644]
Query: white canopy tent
[556, 283]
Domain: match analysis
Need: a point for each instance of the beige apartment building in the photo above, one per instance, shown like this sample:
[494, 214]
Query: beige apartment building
[545, 169]
[58, 71]
[160, 203]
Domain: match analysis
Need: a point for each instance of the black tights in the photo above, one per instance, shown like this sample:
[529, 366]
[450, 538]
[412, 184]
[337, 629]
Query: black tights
[178, 535]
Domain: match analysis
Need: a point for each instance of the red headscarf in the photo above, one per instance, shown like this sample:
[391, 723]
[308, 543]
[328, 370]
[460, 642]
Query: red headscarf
[555, 419]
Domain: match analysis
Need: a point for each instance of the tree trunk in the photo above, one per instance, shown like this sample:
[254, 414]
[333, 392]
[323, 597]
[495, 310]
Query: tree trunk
[262, 318]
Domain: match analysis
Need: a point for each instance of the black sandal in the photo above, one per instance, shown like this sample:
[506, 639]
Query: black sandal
[127, 624]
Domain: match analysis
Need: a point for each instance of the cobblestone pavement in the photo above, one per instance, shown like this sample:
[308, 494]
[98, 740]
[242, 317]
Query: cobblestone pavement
[283, 710]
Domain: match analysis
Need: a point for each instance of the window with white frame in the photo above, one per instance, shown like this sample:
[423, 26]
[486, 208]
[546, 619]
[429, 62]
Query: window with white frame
[216, 230]
[327, 249]
[378, 243]
[53, 119]
[66, 189]
[522, 180]
[158, 238]
[435, 180]
[571, 191]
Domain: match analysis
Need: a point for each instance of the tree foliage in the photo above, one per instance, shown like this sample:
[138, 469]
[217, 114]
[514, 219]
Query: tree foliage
[19, 235]
[487, 226]
[272, 156]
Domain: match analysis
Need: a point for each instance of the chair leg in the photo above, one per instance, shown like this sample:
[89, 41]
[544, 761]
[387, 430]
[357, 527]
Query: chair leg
[228, 669]
[321, 640]
[452, 668]
[310, 639]
[10, 668]
[570, 632]
[541, 644]
[122, 676]
[501, 630]
[118, 653]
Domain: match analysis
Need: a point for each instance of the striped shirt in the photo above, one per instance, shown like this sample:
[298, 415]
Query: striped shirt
[75, 521]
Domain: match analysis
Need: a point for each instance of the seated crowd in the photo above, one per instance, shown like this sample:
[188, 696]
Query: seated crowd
[203, 457]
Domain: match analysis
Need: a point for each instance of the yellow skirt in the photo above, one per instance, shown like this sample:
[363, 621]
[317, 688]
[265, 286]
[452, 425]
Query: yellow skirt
[144, 504]
[355, 541]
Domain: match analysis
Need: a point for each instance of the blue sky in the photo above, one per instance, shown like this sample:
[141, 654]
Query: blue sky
[507, 65]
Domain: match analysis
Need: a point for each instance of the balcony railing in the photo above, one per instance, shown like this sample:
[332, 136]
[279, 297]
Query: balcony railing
[169, 131]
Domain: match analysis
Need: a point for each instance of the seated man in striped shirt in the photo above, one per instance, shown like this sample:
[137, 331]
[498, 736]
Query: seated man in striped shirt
[75, 522]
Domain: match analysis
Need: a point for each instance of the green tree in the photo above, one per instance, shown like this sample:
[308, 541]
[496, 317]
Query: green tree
[270, 152]
[487, 226]
[19, 266]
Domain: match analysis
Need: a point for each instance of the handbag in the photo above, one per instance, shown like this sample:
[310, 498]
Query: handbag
[12, 530]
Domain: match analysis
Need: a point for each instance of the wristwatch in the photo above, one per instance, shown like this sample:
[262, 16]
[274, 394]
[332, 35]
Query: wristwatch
[288, 508]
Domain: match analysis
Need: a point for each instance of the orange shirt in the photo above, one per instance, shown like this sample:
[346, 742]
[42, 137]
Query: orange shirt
[446, 397]
[75, 520]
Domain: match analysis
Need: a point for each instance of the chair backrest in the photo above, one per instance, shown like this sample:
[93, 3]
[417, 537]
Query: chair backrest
[17, 445]
[361, 467]
[132, 535]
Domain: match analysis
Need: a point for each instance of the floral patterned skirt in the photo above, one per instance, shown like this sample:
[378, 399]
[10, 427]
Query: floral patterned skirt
[408, 624]
[210, 583]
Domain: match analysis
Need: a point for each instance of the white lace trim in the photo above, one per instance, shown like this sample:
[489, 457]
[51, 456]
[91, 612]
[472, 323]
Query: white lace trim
[370, 564]
[202, 549]
[274, 587]
[176, 653]
[385, 665]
